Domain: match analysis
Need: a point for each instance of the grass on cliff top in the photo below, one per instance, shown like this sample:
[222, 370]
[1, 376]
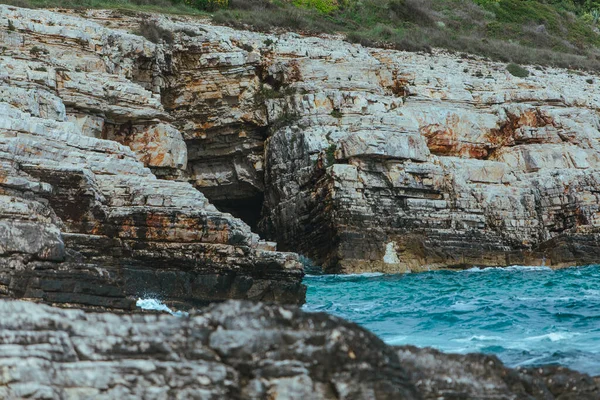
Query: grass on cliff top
[562, 33]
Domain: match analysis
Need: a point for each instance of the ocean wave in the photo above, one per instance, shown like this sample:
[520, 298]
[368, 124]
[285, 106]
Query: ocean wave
[465, 306]
[513, 313]
[551, 337]
[362, 275]
[527, 268]
[396, 340]
[478, 338]
[346, 276]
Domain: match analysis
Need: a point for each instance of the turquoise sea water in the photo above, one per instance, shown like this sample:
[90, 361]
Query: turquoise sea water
[526, 316]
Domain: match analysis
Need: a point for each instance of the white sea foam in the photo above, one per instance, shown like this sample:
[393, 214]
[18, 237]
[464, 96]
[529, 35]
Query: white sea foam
[157, 305]
[396, 340]
[509, 268]
[478, 338]
[464, 306]
[552, 337]
[363, 275]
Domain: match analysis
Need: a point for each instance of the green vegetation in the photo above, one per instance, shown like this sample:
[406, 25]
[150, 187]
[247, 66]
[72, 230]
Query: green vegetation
[546, 32]
[330, 155]
[336, 114]
[517, 70]
[36, 51]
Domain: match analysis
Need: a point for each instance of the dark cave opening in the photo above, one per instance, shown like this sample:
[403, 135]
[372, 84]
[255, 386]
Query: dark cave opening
[248, 209]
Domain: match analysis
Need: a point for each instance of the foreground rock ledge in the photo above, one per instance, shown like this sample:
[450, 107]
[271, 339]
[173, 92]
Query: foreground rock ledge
[242, 350]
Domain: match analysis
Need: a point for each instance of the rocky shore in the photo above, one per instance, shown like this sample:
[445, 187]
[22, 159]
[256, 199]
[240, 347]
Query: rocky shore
[142, 156]
[242, 350]
[84, 221]
[121, 133]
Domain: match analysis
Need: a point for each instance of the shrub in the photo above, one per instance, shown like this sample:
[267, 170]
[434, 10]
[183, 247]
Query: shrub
[247, 47]
[330, 154]
[517, 70]
[36, 51]
[207, 5]
[336, 114]
[410, 10]
[322, 6]
[250, 4]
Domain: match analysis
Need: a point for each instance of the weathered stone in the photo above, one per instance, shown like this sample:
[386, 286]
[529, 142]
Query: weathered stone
[241, 350]
[83, 221]
[362, 159]
[477, 376]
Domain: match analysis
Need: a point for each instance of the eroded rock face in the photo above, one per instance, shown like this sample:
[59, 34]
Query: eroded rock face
[478, 376]
[401, 161]
[362, 159]
[376, 160]
[241, 350]
[83, 220]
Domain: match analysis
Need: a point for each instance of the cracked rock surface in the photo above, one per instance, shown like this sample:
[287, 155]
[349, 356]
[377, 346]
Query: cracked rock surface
[242, 350]
[84, 221]
[361, 159]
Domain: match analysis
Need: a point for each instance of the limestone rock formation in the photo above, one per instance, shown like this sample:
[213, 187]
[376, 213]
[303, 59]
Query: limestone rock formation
[82, 220]
[398, 161]
[241, 350]
[369, 159]
[389, 161]
[361, 159]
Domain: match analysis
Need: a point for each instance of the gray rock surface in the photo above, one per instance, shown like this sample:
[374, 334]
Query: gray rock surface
[361, 159]
[376, 160]
[83, 219]
[242, 350]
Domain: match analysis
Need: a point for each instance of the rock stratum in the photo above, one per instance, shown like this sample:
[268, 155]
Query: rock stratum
[361, 159]
[139, 153]
[125, 137]
[242, 350]
[83, 219]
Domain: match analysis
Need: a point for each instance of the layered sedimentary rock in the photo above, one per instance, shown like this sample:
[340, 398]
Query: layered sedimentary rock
[241, 350]
[83, 219]
[362, 159]
[369, 159]
[401, 161]
[391, 161]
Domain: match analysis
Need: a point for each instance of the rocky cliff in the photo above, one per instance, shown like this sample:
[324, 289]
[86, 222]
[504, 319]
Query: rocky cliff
[119, 129]
[83, 219]
[240, 350]
[362, 159]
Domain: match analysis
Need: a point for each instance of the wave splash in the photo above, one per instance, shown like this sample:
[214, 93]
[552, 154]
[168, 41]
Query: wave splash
[522, 268]
[157, 305]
